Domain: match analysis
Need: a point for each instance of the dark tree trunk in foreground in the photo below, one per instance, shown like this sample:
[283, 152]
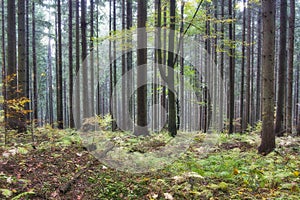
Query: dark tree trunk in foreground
[22, 81]
[12, 120]
[77, 118]
[231, 70]
[268, 137]
[59, 85]
[28, 72]
[4, 82]
[141, 128]
[172, 107]
[281, 70]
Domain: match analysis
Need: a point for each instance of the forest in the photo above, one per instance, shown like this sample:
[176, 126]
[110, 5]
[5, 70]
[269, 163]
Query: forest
[150, 99]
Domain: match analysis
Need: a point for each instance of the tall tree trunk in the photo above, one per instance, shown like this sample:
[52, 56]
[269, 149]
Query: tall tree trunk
[243, 68]
[215, 70]
[4, 79]
[207, 69]
[27, 57]
[158, 61]
[297, 123]
[110, 67]
[163, 98]
[50, 89]
[84, 70]
[59, 85]
[221, 117]
[114, 72]
[34, 68]
[231, 69]
[12, 120]
[71, 117]
[98, 95]
[182, 109]
[141, 128]
[268, 137]
[289, 113]
[91, 64]
[172, 109]
[258, 76]
[129, 64]
[124, 106]
[248, 88]
[22, 81]
[281, 70]
[252, 97]
[155, 66]
[77, 118]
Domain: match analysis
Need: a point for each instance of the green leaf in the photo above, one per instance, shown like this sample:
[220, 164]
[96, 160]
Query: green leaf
[22, 150]
[5, 192]
[30, 192]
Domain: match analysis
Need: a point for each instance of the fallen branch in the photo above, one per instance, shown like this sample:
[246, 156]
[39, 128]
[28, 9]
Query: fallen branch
[66, 187]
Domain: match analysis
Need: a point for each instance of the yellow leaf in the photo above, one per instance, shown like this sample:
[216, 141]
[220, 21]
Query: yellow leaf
[296, 173]
[235, 171]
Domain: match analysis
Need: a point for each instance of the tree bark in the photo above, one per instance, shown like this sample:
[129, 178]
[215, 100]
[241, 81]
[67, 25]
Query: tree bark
[172, 109]
[22, 82]
[71, 117]
[280, 107]
[12, 120]
[231, 69]
[129, 65]
[268, 137]
[221, 117]
[182, 108]
[4, 79]
[91, 64]
[50, 82]
[243, 68]
[84, 67]
[289, 114]
[248, 88]
[59, 84]
[258, 76]
[124, 106]
[141, 128]
[77, 118]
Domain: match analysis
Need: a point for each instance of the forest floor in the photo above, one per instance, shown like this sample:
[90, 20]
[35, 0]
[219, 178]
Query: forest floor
[57, 166]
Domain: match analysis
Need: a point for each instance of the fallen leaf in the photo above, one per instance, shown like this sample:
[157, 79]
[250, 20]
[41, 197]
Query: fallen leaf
[9, 180]
[79, 154]
[104, 167]
[154, 196]
[235, 171]
[5, 154]
[168, 196]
